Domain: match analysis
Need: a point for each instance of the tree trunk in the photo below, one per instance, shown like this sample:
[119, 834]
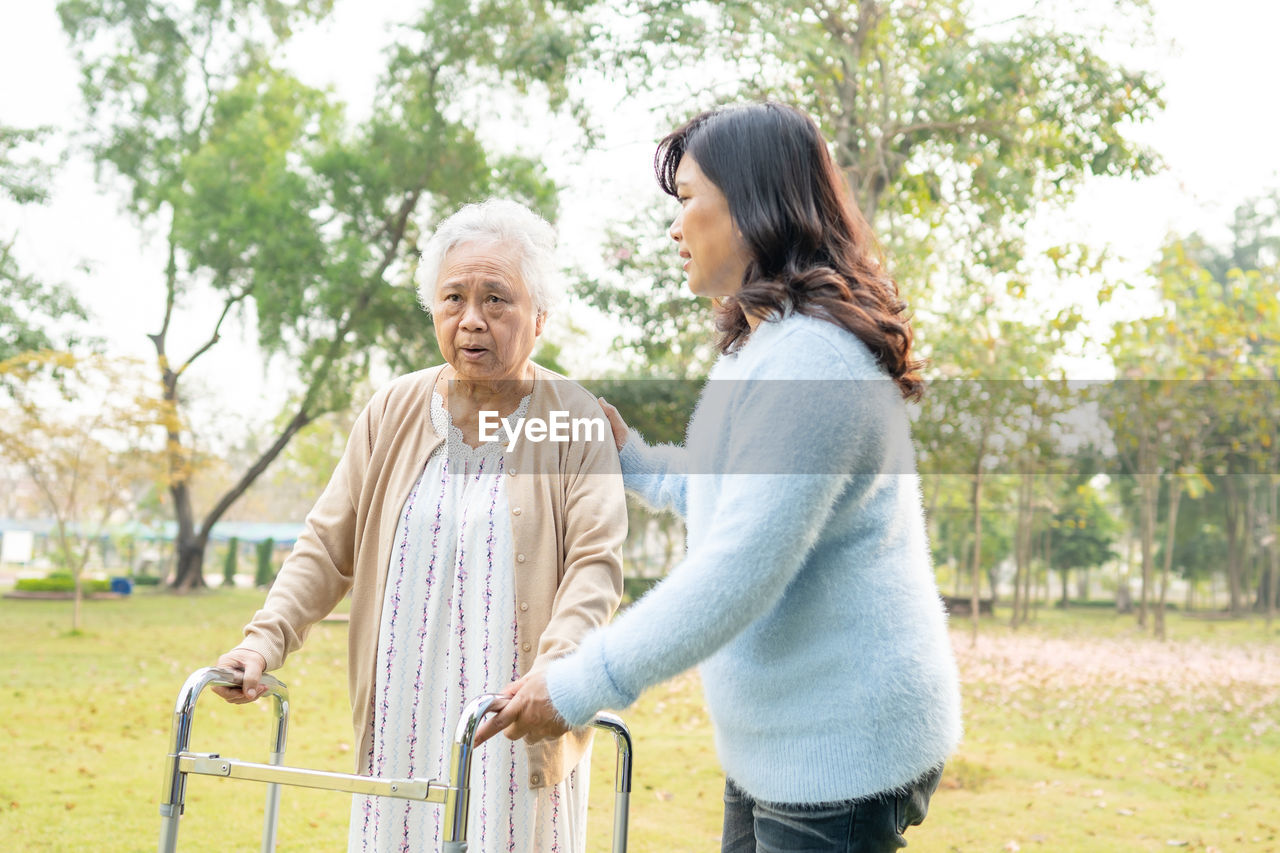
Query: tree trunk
[976, 575]
[1150, 488]
[1247, 556]
[1021, 550]
[930, 514]
[1028, 581]
[1048, 561]
[976, 566]
[73, 566]
[1233, 515]
[1273, 550]
[188, 570]
[1171, 524]
[1124, 595]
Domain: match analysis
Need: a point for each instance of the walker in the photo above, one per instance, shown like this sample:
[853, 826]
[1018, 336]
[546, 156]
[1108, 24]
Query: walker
[454, 796]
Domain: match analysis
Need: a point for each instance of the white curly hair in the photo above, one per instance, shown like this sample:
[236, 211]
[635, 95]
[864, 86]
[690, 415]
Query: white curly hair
[506, 223]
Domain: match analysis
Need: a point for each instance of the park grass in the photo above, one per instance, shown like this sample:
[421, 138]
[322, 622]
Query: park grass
[1081, 735]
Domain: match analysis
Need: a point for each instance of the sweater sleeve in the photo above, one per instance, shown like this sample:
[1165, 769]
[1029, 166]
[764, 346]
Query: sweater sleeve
[657, 474]
[792, 453]
[318, 571]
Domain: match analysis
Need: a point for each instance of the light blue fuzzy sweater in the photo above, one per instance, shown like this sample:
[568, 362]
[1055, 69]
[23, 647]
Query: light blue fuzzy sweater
[807, 593]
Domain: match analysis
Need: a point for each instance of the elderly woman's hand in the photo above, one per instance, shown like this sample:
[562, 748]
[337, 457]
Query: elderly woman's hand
[252, 665]
[528, 714]
[616, 423]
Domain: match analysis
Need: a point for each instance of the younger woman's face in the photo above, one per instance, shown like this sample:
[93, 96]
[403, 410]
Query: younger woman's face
[715, 255]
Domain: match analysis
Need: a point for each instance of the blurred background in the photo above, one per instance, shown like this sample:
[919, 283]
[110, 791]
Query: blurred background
[210, 212]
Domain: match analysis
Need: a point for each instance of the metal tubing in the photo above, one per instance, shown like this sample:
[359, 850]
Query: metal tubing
[456, 797]
[427, 791]
[458, 802]
[622, 777]
[271, 818]
[173, 797]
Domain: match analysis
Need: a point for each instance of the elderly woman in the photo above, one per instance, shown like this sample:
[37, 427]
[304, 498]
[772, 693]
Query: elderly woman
[470, 561]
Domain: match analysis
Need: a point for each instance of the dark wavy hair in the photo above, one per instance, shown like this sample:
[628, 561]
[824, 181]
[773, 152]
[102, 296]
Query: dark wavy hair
[811, 249]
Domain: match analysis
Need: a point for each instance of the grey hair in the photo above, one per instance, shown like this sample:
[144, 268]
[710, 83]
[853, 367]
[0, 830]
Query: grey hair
[495, 220]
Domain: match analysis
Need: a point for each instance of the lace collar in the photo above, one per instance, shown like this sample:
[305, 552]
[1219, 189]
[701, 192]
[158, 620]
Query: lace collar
[456, 446]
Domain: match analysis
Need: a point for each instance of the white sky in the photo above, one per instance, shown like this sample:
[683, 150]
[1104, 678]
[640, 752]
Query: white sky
[1218, 137]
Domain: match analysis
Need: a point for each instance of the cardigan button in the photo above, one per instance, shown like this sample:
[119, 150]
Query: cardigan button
[524, 605]
[534, 778]
[525, 646]
[512, 472]
[515, 511]
[520, 558]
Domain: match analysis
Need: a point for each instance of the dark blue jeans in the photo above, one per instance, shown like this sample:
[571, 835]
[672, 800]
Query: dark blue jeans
[872, 825]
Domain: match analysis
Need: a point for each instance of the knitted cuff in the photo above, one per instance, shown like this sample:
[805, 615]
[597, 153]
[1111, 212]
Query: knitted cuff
[580, 685]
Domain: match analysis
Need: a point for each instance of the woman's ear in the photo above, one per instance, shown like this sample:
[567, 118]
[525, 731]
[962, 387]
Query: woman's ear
[538, 322]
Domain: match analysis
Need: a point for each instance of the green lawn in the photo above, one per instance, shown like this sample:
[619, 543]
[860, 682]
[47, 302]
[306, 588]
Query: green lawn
[1081, 735]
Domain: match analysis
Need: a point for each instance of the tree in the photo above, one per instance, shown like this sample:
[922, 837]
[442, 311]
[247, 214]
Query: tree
[300, 222]
[951, 135]
[1191, 413]
[34, 315]
[1082, 532]
[669, 332]
[83, 439]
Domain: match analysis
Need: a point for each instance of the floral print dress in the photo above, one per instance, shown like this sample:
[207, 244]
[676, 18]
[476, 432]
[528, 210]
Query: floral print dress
[448, 634]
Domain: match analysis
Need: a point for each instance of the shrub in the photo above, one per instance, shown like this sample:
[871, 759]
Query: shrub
[60, 582]
[229, 567]
[265, 574]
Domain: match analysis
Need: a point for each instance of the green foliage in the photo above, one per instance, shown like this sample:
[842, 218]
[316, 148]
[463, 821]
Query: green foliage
[265, 573]
[303, 223]
[34, 315]
[1200, 405]
[23, 178]
[1082, 530]
[229, 564]
[658, 408]
[635, 588]
[61, 582]
[951, 136]
[669, 331]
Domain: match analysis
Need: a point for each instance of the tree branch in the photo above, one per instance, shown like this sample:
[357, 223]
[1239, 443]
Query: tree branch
[296, 423]
[235, 299]
[397, 225]
[931, 126]
[171, 289]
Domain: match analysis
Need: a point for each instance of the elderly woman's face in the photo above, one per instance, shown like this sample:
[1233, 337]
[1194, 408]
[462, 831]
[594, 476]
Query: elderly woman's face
[485, 321]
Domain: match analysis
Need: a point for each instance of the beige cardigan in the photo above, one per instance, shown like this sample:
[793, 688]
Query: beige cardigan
[568, 522]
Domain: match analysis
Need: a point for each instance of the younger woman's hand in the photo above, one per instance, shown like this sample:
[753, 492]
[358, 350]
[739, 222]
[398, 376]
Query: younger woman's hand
[616, 423]
[527, 714]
